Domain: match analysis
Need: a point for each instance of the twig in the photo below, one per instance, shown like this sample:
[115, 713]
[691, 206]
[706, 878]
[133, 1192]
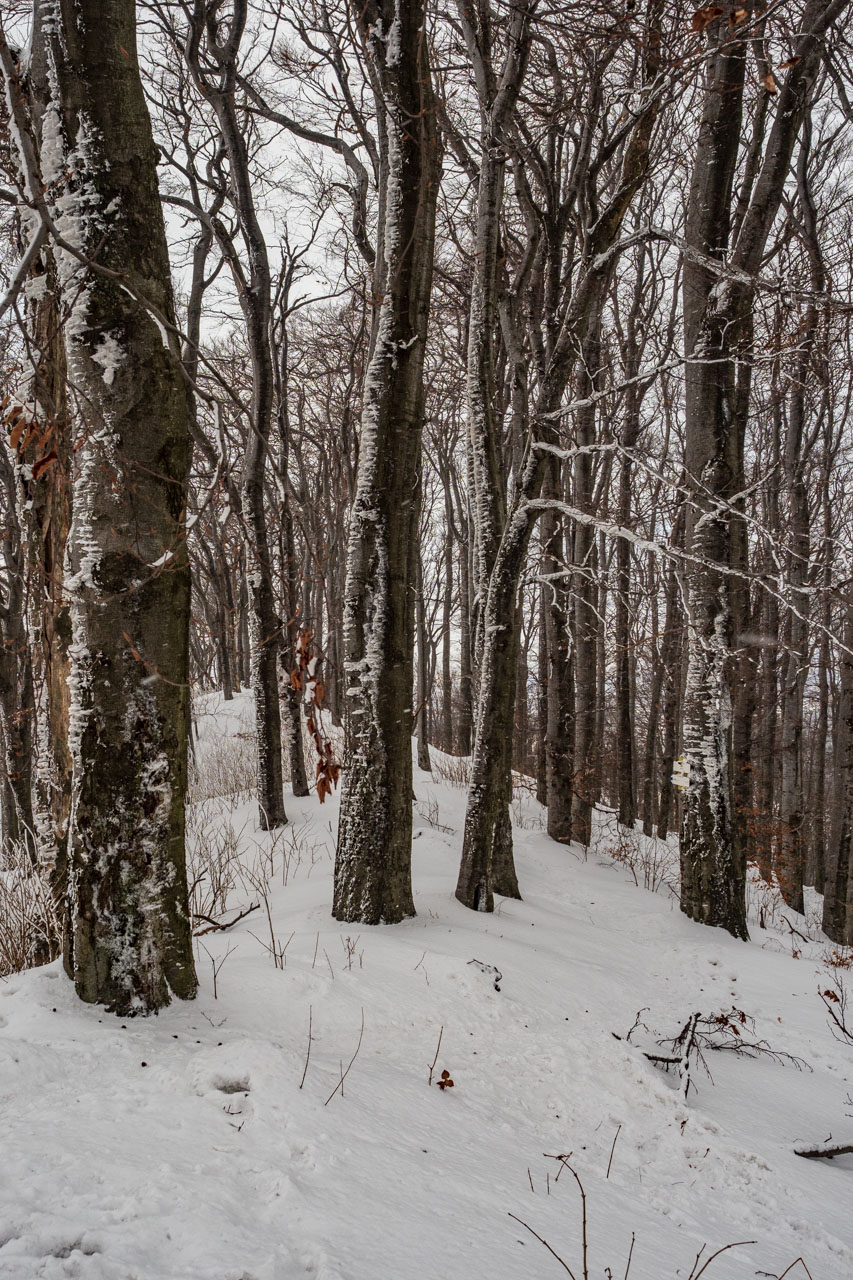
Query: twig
[308, 1054]
[437, 1047]
[216, 965]
[530, 1180]
[795, 931]
[688, 1036]
[564, 1164]
[344, 1074]
[630, 1256]
[562, 1160]
[612, 1149]
[329, 963]
[316, 945]
[788, 1270]
[527, 1227]
[737, 1244]
[214, 926]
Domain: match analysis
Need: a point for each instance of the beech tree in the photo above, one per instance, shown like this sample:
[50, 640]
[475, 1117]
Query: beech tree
[718, 339]
[373, 862]
[128, 939]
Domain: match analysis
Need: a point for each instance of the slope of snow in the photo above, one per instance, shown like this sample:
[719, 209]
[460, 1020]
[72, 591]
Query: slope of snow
[184, 1147]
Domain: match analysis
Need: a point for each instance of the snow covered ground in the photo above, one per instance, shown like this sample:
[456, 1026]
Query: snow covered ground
[202, 1144]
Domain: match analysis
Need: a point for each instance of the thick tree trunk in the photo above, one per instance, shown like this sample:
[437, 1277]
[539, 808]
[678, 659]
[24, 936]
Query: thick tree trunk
[486, 865]
[129, 946]
[713, 868]
[373, 863]
[718, 329]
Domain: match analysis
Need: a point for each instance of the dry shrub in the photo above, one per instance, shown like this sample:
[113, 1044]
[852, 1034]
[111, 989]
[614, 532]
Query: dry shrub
[652, 862]
[214, 869]
[30, 932]
[223, 768]
[454, 770]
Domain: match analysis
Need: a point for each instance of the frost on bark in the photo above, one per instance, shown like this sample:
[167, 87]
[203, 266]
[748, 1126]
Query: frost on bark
[487, 864]
[373, 863]
[717, 338]
[713, 867]
[127, 577]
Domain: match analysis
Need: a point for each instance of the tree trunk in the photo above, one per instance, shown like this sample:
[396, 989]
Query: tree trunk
[373, 863]
[585, 592]
[558, 726]
[837, 913]
[465, 720]
[713, 868]
[421, 720]
[447, 740]
[718, 330]
[129, 586]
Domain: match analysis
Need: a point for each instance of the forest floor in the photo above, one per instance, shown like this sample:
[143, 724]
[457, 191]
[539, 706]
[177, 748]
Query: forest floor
[207, 1144]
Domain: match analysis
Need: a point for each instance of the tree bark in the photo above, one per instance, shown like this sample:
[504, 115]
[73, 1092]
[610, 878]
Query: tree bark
[373, 862]
[129, 946]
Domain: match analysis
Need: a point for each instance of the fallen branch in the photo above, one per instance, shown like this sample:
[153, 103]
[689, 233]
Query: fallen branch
[219, 926]
[825, 1151]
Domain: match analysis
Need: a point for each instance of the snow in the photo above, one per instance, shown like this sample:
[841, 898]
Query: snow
[183, 1146]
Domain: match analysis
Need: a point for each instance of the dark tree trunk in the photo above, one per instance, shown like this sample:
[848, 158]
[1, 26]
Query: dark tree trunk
[447, 739]
[220, 41]
[713, 867]
[465, 720]
[558, 701]
[837, 910]
[421, 719]
[672, 664]
[129, 588]
[718, 330]
[373, 863]
[585, 622]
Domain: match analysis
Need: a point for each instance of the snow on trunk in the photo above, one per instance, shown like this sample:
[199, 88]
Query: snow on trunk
[128, 945]
[373, 864]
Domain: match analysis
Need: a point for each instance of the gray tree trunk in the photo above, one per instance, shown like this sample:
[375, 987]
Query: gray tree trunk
[373, 862]
[718, 330]
[129, 945]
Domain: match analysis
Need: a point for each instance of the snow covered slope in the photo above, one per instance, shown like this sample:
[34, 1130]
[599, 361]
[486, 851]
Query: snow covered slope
[189, 1146]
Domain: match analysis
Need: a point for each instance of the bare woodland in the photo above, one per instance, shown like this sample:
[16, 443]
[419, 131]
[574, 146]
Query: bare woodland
[477, 372]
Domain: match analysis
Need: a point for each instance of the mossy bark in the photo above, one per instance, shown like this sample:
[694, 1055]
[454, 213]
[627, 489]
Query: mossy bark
[128, 584]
